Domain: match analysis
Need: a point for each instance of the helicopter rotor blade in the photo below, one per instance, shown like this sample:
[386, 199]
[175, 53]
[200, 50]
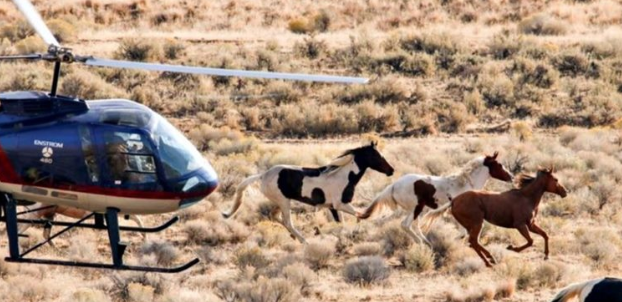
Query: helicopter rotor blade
[221, 72]
[22, 57]
[36, 22]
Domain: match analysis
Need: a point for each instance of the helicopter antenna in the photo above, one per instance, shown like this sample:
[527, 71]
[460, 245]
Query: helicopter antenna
[58, 54]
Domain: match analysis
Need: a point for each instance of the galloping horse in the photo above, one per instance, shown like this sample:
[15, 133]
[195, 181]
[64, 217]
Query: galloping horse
[330, 186]
[516, 208]
[597, 290]
[473, 176]
[50, 213]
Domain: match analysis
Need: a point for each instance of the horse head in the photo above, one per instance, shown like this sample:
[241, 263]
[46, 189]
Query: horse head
[496, 169]
[369, 157]
[552, 183]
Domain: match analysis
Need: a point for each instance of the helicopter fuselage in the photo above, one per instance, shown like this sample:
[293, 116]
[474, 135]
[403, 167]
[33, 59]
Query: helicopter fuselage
[96, 155]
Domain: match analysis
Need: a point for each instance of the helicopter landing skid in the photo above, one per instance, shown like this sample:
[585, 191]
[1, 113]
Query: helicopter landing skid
[100, 224]
[117, 247]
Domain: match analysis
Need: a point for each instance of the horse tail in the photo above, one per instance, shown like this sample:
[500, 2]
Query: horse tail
[239, 193]
[431, 216]
[573, 290]
[385, 198]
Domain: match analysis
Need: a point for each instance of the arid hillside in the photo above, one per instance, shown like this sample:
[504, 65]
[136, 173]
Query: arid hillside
[449, 81]
[435, 66]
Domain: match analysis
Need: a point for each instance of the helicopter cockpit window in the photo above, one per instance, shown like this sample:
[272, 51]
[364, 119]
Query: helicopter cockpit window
[89, 154]
[177, 154]
[126, 117]
[130, 161]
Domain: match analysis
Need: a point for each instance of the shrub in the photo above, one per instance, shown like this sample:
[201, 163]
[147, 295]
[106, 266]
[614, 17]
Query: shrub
[504, 46]
[173, 49]
[542, 24]
[30, 45]
[522, 131]
[262, 290]
[164, 252]
[311, 48]
[394, 238]
[322, 21]
[533, 73]
[431, 43]
[442, 238]
[135, 285]
[141, 50]
[571, 63]
[549, 274]
[253, 257]
[88, 295]
[496, 88]
[468, 266]
[301, 276]
[418, 259]
[299, 26]
[317, 254]
[6, 47]
[367, 249]
[216, 231]
[474, 102]
[83, 84]
[63, 31]
[366, 270]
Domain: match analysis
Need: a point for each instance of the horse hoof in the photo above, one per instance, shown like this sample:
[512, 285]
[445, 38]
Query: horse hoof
[511, 248]
[546, 257]
[488, 265]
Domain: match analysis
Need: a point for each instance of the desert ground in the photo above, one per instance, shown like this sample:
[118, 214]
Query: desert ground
[449, 81]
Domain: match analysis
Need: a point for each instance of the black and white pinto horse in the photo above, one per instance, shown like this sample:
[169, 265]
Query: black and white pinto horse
[403, 193]
[597, 290]
[331, 186]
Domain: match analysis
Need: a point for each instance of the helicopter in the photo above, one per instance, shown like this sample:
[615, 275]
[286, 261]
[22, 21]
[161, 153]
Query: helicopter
[109, 157]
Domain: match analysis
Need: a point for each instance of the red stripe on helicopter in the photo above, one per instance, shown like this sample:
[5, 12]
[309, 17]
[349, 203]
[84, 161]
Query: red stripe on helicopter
[8, 175]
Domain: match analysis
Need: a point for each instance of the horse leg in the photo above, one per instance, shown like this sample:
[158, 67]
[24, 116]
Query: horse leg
[335, 214]
[474, 232]
[524, 230]
[47, 229]
[406, 226]
[139, 223]
[287, 223]
[346, 207]
[534, 228]
[418, 210]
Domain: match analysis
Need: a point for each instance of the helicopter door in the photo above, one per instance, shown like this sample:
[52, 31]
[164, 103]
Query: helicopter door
[47, 157]
[130, 162]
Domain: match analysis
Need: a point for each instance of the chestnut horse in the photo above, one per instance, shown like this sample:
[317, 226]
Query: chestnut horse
[516, 208]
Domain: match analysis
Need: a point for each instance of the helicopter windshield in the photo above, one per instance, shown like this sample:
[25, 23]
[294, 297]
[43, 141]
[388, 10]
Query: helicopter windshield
[178, 155]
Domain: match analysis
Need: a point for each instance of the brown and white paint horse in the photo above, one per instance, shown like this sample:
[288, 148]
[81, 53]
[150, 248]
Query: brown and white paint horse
[473, 176]
[331, 186]
[49, 213]
[516, 208]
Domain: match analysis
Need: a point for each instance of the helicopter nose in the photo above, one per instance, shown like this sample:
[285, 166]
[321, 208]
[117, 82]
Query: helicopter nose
[197, 187]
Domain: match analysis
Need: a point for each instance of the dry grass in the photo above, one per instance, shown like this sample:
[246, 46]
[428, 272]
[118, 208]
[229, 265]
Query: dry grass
[435, 68]
[366, 270]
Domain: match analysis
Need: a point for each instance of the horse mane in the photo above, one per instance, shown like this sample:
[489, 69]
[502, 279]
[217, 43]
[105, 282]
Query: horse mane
[462, 176]
[337, 163]
[524, 180]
